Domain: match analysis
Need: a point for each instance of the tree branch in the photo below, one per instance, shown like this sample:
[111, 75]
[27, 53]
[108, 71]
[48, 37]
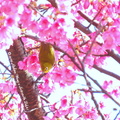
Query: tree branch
[104, 91]
[117, 115]
[53, 3]
[87, 18]
[94, 91]
[5, 67]
[56, 48]
[91, 21]
[6, 105]
[81, 27]
[25, 83]
[92, 96]
[107, 72]
[114, 55]
[87, 82]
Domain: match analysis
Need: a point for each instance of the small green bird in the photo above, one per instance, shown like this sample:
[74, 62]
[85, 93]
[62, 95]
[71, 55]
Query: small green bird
[46, 57]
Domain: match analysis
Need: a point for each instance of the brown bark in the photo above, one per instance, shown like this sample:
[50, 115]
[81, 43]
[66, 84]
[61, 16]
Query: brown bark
[53, 3]
[114, 55]
[25, 82]
[107, 72]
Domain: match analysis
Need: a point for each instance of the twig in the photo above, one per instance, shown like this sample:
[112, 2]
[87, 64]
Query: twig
[77, 56]
[84, 43]
[92, 96]
[72, 58]
[19, 117]
[117, 115]
[32, 37]
[93, 91]
[35, 9]
[8, 101]
[97, 106]
[94, 39]
[5, 67]
[76, 3]
[43, 74]
[43, 98]
[95, 18]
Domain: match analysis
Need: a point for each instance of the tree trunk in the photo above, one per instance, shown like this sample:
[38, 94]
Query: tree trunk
[25, 82]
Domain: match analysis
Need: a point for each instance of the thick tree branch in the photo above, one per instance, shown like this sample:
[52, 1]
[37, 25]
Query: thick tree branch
[82, 27]
[25, 82]
[91, 21]
[107, 72]
[88, 19]
[114, 55]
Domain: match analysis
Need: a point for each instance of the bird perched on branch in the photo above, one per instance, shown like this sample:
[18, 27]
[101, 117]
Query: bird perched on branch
[46, 57]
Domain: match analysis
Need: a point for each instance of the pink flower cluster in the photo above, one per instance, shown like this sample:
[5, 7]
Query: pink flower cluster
[9, 19]
[67, 110]
[115, 91]
[64, 76]
[31, 64]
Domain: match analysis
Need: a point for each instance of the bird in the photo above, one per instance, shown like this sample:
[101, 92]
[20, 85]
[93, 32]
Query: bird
[46, 56]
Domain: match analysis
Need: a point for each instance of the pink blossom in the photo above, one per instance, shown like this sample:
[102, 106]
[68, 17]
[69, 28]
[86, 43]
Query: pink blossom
[34, 27]
[30, 63]
[89, 60]
[64, 101]
[116, 92]
[8, 87]
[44, 23]
[106, 84]
[86, 4]
[23, 64]
[90, 115]
[106, 96]
[27, 13]
[5, 38]
[61, 21]
[118, 49]
[107, 116]
[10, 21]
[64, 76]
[60, 113]
[111, 38]
[80, 110]
[99, 60]
[46, 87]
[47, 118]
[101, 104]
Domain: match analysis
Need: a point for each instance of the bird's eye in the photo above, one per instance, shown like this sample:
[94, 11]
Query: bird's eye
[46, 69]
